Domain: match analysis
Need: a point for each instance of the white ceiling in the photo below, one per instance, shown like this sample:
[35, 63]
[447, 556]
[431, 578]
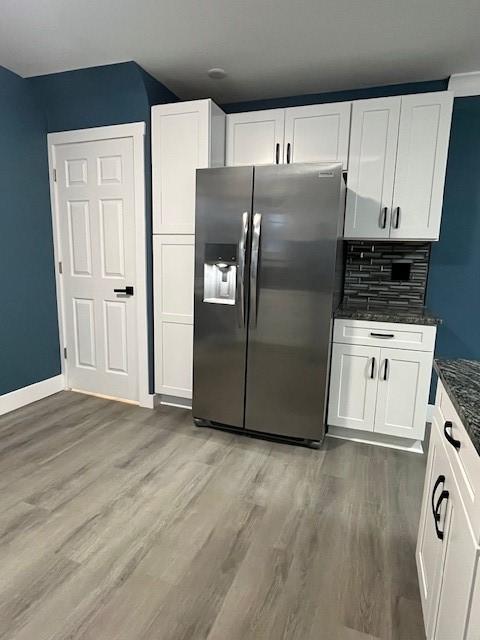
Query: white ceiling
[269, 48]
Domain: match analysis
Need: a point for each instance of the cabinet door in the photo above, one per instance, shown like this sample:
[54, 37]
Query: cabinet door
[180, 145]
[421, 162]
[318, 133]
[255, 137]
[458, 571]
[429, 552]
[353, 386]
[402, 397]
[371, 167]
[473, 632]
[173, 265]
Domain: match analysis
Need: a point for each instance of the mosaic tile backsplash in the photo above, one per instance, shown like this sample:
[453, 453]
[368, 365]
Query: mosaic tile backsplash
[368, 273]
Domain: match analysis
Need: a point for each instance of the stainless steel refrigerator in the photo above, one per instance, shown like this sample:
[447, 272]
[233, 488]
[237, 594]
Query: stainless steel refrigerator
[268, 274]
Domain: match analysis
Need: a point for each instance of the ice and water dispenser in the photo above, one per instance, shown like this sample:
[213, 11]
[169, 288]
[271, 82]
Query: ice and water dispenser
[220, 273]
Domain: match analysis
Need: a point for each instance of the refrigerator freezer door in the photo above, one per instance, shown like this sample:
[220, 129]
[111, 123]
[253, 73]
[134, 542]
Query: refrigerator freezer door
[223, 216]
[296, 208]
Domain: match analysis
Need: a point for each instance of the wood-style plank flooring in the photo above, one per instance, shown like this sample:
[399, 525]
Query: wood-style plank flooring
[120, 523]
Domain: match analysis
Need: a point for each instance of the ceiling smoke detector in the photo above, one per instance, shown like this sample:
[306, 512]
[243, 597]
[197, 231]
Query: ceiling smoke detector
[216, 73]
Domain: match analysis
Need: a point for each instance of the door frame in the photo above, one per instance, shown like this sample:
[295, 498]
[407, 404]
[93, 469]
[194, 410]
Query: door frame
[135, 131]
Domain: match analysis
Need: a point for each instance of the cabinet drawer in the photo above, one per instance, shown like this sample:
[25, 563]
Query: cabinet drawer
[464, 460]
[385, 334]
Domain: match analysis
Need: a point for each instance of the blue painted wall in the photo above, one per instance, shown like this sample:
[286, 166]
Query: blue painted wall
[454, 278]
[29, 349]
[100, 96]
[337, 96]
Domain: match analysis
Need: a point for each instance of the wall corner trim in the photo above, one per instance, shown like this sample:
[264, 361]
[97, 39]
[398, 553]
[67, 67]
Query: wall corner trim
[465, 84]
[32, 393]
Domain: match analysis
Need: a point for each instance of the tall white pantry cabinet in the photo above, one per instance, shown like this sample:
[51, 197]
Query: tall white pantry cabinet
[186, 136]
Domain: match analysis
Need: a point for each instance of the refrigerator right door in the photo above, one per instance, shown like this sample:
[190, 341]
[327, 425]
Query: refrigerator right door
[294, 263]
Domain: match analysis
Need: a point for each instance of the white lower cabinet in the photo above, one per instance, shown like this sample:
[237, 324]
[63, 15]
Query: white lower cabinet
[402, 393]
[353, 386]
[429, 545]
[447, 550]
[379, 389]
[173, 260]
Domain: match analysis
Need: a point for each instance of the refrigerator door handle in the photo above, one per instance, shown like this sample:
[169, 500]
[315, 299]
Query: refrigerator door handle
[257, 221]
[242, 249]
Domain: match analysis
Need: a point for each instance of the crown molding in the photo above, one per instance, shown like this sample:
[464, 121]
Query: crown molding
[465, 84]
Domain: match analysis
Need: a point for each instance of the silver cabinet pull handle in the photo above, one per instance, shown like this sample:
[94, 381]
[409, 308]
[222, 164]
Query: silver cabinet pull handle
[257, 221]
[242, 249]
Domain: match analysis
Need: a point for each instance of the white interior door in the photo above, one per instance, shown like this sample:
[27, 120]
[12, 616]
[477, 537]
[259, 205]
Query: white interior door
[402, 397]
[371, 167]
[255, 137]
[96, 217]
[318, 133]
[353, 386]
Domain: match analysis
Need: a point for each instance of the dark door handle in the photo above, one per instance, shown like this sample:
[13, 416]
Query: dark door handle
[383, 218]
[385, 372]
[128, 291]
[436, 516]
[453, 441]
[443, 496]
[372, 370]
[277, 153]
[382, 335]
[288, 153]
[396, 224]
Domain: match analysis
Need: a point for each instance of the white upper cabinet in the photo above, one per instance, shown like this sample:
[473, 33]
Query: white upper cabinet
[397, 160]
[318, 133]
[185, 136]
[255, 137]
[371, 170]
[421, 163]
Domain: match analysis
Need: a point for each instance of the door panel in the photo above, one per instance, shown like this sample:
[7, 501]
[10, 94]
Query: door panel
[429, 552]
[458, 570]
[180, 143]
[290, 328]
[371, 168]
[353, 386]
[318, 133]
[173, 274]
[97, 234]
[402, 396]
[220, 332]
[255, 137]
[421, 163]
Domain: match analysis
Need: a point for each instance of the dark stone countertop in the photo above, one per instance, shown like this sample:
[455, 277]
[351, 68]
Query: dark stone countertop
[461, 379]
[377, 313]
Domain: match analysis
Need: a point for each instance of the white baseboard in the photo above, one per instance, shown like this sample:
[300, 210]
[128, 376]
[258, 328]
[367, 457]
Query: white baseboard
[174, 401]
[32, 393]
[380, 440]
